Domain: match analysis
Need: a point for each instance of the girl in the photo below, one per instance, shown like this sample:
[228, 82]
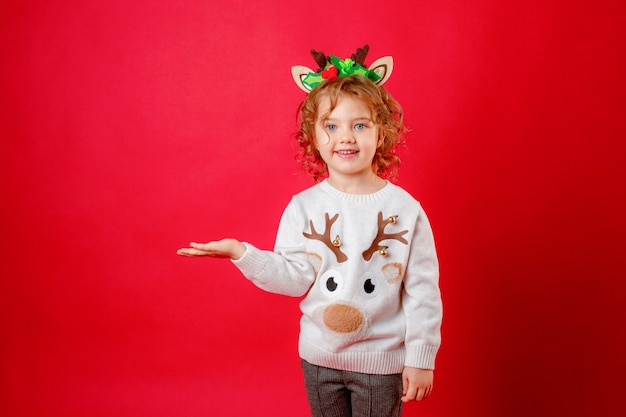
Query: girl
[361, 251]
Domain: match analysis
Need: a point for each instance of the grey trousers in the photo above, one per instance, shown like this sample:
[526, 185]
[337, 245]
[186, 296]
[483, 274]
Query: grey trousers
[335, 393]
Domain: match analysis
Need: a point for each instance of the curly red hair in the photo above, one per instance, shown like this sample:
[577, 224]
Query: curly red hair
[387, 115]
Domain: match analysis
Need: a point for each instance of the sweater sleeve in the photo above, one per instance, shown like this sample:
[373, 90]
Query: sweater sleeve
[285, 270]
[421, 298]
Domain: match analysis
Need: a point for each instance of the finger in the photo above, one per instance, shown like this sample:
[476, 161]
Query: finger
[405, 388]
[423, 393]
[191, 252]
[420, 395]
[410, 394]
[197, 249]
[200, 246]
[209, 249]
[405, 385]
[407, 397]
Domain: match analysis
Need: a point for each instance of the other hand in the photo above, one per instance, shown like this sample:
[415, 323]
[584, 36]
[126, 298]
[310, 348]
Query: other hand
[225, 248]
[417, 384]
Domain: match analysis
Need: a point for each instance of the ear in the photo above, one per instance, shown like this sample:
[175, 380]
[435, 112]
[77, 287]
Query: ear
[299, 72]
[315, 260]
[383, 68]
[392, 272]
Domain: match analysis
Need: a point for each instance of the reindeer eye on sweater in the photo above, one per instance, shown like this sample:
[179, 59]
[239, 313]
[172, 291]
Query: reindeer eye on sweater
[331, 282]
[369, 285]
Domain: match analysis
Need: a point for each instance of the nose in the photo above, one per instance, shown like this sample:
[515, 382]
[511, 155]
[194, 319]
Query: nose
[347, 136]
[342, 318]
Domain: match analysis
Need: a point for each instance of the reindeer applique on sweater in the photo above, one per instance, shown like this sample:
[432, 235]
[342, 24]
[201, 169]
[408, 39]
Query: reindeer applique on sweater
[345, 318]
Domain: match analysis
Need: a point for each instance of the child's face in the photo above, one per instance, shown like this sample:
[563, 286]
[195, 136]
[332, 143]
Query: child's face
[347, 140]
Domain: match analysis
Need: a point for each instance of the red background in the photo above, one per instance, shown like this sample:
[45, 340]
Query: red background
[131, 128]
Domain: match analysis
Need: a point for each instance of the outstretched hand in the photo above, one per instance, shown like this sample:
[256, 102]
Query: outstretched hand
[417, 384]
[225, 248]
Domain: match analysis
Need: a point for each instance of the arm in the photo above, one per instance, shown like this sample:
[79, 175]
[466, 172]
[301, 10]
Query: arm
[421, 298]
[225, 248]
[285, 271]
[281, 273]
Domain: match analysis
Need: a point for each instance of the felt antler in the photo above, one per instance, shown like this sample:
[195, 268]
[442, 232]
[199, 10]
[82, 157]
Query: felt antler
[320, 58]
[325, 238]
[359, 56]
[381, 235]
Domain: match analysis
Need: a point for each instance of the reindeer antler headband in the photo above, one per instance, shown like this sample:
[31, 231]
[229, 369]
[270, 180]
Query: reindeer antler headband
[331, 67]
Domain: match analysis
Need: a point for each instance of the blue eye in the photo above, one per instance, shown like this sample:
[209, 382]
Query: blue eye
[331, 127]
[359, 126]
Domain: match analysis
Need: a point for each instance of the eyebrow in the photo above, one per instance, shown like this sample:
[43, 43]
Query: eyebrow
[356, 119]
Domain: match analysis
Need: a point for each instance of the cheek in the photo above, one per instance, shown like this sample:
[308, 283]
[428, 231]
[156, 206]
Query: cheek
[321, 139]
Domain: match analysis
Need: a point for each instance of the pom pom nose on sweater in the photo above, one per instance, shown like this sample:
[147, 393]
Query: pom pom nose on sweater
[343, 318]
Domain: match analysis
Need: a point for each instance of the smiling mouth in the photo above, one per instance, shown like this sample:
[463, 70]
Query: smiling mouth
[346, 152]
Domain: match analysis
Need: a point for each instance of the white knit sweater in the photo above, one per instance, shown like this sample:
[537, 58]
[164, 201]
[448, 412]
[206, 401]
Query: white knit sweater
[372, 301]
